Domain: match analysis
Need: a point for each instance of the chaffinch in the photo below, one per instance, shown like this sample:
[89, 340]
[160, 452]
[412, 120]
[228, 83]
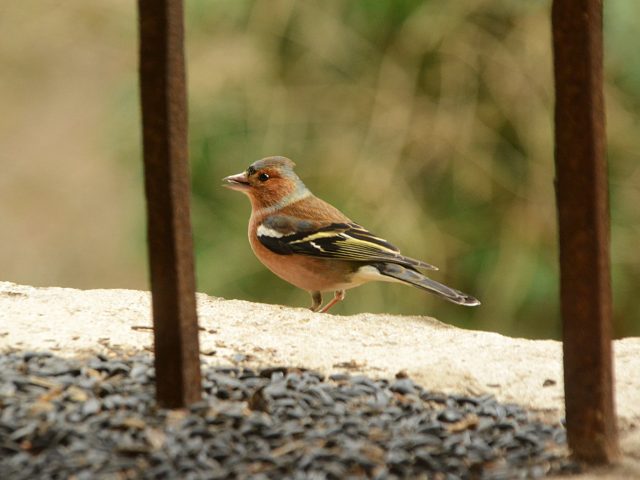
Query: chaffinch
[314, 246]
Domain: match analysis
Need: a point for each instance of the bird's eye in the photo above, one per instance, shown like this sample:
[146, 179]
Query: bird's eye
[263, 177]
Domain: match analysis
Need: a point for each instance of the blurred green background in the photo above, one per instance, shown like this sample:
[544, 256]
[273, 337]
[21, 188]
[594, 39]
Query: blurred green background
[429, 122]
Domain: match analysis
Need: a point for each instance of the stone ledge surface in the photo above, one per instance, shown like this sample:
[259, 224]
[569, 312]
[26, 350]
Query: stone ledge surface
[440, 357]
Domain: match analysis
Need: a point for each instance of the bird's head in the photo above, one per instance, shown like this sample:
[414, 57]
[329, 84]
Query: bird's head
[267, 182]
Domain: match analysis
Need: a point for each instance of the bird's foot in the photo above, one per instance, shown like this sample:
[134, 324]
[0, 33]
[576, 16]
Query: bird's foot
[316, 298]
[337, 297]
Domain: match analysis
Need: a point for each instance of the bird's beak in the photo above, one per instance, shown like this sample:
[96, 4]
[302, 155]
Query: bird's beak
[237, 182]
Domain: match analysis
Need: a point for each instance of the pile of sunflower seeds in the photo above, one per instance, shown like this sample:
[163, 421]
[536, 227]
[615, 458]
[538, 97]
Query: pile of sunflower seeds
[66, 418]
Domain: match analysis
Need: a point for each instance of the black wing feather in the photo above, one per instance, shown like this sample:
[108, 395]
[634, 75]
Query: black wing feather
[286, 235]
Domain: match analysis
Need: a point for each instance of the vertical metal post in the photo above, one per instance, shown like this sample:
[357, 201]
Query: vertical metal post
[164, 119]
[583, 216]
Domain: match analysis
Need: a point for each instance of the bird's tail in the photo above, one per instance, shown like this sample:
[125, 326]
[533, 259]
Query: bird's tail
[412, 277]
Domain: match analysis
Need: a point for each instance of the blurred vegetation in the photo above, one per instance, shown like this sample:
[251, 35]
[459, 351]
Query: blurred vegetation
[428, 122]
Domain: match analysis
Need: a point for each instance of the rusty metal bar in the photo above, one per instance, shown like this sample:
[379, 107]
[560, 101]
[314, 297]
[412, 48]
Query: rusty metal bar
[583, 216]
[164, 120]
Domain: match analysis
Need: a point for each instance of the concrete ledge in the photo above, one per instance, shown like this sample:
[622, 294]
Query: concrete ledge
[440, 357]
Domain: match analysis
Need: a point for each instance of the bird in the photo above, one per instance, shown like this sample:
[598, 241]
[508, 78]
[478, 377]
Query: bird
[314, 246]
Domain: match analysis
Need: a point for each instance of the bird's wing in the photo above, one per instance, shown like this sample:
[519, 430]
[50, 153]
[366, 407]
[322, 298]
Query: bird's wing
[287, 235]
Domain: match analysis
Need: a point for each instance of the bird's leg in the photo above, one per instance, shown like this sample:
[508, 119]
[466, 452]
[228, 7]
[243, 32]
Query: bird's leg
[316, 298]
[337, 297]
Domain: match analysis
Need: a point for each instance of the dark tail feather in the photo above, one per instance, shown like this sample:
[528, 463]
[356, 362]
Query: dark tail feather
[418, 280]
